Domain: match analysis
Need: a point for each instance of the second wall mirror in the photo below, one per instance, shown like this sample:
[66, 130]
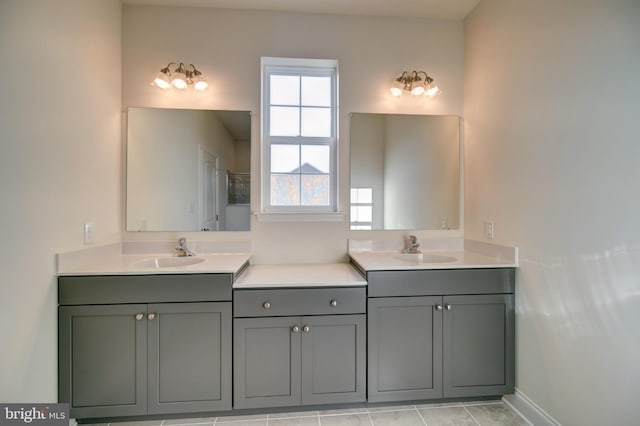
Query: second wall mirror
[405, 172]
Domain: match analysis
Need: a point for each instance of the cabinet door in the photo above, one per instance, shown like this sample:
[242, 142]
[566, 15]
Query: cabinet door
[189, 357]
[103, 360]
[266, 362]
[478, 339]
[405, 349]
[333, 359]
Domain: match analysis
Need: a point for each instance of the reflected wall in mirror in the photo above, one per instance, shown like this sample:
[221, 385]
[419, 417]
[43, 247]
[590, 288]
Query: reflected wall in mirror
[179, 166]
[405, 172]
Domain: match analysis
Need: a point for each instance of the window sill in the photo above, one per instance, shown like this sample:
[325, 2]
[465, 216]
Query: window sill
[299, 217]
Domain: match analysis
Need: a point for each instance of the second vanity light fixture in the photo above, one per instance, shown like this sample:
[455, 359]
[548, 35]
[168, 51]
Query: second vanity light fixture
[414, 83]
[180, 77]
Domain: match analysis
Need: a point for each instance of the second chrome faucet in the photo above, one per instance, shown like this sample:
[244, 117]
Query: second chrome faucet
[182, 250]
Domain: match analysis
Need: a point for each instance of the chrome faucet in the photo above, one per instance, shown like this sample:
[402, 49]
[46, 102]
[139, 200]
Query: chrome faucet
[413, 244]
[182, 250]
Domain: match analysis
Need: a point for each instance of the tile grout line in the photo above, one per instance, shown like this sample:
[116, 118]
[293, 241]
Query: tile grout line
[420, 414]
[469, 412]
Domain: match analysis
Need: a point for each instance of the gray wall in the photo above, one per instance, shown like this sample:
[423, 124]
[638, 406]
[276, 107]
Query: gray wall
[60, 165]
[551, 112]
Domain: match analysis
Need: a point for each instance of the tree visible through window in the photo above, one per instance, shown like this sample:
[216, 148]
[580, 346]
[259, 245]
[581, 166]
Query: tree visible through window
[299, 131]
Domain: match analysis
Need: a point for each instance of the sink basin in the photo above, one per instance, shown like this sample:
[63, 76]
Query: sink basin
[425, 258]
[169, 262]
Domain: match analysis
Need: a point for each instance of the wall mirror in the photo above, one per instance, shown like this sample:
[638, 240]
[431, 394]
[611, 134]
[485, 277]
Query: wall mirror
[405, 172]
[188, 170]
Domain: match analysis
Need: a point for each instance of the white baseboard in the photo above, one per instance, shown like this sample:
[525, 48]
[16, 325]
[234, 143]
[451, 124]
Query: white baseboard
[529, 409]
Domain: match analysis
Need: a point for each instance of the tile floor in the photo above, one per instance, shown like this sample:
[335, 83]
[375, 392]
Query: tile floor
[494, 413]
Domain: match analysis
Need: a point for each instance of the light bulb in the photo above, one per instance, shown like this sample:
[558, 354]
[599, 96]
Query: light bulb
[396, 89]
[417, 90]
[200, 84]
[179, 82]
[432, 90]
[162, 81]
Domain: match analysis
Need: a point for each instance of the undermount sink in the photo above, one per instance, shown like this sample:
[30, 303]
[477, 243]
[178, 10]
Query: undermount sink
[425, 258]
[170, 262]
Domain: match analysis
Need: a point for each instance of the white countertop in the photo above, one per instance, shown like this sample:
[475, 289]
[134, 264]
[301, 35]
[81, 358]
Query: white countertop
[116, 259]
[378, 256]
[134, 265]
[303, 275]
[391, 261]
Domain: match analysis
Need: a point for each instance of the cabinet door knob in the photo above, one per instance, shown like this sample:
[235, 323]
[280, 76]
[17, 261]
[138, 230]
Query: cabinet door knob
[295, 329]
[139, 317]
[448, 307]
[334, 303]
[438, 307]
[151, 317]
[306, 328]
[266, 305]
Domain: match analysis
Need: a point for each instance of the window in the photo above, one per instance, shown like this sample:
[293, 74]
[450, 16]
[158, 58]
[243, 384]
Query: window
[361, 208]
[299, 135]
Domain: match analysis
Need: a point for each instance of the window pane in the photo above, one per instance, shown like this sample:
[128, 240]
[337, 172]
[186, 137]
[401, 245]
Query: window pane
[285, 158]
[316, 122]
[284, 90]
[285, 190]
[316, 91]
[315, 159]
[361, 213]
[284, 121]
[315, 190]
[362, 195]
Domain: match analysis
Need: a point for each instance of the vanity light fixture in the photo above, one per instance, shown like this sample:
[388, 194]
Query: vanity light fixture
[180, 78]
[415, 84]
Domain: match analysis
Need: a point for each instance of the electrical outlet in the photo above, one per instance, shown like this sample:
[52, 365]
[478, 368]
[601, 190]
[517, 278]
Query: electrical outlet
[88, 233]
[489, 229]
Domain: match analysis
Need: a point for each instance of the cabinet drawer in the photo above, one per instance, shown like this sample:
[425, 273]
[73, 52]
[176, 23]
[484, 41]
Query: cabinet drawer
[109, 289]
[314, 301]
[436, 282]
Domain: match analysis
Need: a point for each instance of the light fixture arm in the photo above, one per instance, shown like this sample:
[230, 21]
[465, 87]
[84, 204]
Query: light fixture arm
[181, 77]
[411, 81]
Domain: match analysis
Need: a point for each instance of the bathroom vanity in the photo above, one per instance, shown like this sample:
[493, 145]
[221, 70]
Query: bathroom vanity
[145, 344]
[138, 340]
[440, 325]
[299, 336]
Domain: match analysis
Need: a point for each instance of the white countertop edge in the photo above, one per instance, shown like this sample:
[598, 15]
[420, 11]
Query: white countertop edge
[300, 275]
[120, 258]
[228, 263]
[387, 261]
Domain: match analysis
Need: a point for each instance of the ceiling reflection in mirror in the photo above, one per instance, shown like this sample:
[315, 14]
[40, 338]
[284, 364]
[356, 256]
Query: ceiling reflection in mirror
[405, 172]
[188, 170]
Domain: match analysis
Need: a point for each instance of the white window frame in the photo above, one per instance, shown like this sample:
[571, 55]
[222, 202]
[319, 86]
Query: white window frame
[356, 225]
[309, 67]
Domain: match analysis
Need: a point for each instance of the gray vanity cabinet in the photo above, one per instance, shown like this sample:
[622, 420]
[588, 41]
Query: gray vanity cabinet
[299, 359]
[440, 334]
[120, 359]
[405, 356]
[189, 357]
[266, 362]
[478, 345]
[103, 360]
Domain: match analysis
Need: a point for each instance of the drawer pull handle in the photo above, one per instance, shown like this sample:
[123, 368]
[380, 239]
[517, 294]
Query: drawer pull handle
[306, 328]
[266, 305]
[438, 307]
[448, 307]
[295, 329]
[151, 317]
[334, 303]
[139, 317]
